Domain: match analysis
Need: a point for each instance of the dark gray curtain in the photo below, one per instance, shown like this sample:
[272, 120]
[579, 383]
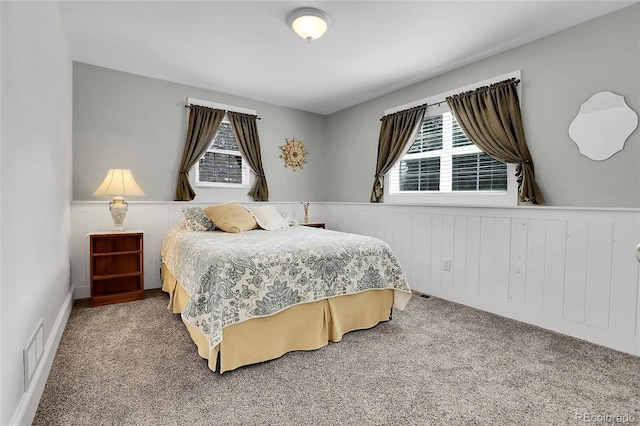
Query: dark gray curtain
[398, 131]
[490, 116]
[202, 128]
[246, 132]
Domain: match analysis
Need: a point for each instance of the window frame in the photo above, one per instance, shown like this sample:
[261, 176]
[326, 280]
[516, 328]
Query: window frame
[247, 175]
[474, 198]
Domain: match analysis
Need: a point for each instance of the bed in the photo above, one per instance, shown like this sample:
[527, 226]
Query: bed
[248, 297]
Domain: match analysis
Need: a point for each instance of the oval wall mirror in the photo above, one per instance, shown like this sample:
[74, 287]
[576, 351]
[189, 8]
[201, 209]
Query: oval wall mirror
[603, 124]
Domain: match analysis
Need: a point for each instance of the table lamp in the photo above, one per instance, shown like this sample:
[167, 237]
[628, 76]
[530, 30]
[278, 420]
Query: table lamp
[118, 182]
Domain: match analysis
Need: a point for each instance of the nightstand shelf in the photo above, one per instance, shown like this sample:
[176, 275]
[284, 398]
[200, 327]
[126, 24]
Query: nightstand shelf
[117, 267]
[313, 224]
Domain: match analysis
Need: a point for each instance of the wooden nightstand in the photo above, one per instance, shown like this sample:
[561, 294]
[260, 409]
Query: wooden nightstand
[117, 267]
[313, 224]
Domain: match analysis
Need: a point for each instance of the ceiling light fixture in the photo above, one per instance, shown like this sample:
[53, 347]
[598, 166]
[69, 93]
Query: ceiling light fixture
[308, 22]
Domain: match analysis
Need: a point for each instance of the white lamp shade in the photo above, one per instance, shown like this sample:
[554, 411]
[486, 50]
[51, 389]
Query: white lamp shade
[118, 182]
[309, 23]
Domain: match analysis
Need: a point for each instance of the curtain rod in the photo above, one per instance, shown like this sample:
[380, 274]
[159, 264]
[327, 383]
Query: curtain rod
[257, 118]
[404, 110]
[484, 88]
[436, 104]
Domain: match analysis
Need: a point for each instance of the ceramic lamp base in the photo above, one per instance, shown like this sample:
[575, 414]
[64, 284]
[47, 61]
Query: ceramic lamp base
[118, 208]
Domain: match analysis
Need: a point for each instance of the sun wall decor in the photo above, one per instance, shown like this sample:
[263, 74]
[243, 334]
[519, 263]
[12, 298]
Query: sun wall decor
[293, 153]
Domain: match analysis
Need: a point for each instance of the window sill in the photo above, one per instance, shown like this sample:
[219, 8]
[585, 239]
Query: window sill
[455, 199]
[222, 186]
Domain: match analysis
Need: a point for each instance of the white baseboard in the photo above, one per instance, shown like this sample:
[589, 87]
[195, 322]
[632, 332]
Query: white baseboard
[28, 405]
[627, 344]
[81, 292]
[84, 292]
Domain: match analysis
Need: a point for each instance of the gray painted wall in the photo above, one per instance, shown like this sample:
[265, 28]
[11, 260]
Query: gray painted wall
[559, 72]
[123, 120]
[36, 190]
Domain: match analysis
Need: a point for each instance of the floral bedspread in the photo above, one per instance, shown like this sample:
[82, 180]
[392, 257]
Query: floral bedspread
[234, 277]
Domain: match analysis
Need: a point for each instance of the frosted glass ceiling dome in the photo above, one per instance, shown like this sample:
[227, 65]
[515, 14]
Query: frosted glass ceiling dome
[308, 22]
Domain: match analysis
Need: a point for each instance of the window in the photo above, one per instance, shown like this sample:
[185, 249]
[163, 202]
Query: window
[444, 166]
[443, 159]
[222, 165]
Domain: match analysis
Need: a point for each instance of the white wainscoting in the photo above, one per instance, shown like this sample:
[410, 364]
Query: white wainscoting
[570, 270]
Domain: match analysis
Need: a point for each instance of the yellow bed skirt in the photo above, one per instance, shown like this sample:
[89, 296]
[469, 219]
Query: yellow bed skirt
[307, 326]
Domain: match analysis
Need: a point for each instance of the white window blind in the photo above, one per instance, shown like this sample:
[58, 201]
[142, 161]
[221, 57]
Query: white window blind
[443, 160]
[222, 164]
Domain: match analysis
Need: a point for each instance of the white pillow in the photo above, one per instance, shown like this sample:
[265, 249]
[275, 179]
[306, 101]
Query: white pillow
[268, 218]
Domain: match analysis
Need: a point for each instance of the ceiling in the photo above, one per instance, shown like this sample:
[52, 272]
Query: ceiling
[246, 49]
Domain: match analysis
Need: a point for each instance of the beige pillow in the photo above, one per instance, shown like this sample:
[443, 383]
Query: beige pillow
[231, 217]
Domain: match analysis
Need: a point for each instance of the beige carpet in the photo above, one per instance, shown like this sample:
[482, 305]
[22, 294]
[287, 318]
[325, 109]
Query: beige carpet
[436, 363]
